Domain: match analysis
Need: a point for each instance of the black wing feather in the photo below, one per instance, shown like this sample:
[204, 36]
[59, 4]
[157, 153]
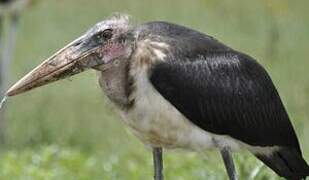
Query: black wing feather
[226, 93]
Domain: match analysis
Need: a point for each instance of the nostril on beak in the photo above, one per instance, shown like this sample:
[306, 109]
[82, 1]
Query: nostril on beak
[77, 43]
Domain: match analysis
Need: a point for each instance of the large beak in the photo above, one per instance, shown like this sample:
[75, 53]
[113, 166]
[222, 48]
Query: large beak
[70, 60]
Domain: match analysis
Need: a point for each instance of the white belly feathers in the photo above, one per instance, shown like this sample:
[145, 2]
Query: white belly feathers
[159, 124]
[153, 119]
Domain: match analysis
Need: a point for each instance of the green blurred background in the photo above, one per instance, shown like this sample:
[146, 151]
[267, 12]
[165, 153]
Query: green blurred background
[67, 130]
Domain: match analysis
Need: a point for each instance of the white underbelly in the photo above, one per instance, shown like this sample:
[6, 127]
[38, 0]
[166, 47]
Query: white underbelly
[159, 124]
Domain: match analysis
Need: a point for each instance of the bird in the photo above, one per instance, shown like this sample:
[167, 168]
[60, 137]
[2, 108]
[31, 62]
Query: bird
[5, 1]
[176, 87]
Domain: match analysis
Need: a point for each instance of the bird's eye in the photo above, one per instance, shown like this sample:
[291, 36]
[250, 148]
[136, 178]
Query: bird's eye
[104, 35]
[107, 33]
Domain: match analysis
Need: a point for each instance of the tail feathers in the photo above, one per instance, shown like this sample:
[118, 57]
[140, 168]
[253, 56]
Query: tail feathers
[286, 162]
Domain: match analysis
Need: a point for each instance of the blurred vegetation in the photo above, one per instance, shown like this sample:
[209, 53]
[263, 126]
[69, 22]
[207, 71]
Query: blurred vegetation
[67, 131]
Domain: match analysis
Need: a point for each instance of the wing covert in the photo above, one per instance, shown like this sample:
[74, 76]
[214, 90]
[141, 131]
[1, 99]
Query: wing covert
[226, 93]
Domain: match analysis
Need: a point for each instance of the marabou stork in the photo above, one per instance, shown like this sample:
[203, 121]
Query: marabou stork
[5, 1]
[178, 88]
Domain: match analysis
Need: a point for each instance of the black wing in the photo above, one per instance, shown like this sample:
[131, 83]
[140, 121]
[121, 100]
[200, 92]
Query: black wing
[226, 93]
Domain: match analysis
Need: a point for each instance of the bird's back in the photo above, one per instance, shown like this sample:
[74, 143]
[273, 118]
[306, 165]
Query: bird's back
[225, 92]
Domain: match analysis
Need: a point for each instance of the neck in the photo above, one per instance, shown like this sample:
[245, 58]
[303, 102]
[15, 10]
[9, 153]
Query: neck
[117, 83]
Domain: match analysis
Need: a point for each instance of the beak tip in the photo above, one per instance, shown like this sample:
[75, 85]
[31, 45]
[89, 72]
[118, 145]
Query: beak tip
[14, 90]
[10, 92]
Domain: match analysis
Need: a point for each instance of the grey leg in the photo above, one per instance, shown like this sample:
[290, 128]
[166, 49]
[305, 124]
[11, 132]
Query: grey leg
[229, 164]
[158, 163]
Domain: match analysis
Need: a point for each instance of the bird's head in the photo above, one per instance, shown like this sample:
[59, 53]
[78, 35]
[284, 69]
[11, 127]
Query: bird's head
[99, 46]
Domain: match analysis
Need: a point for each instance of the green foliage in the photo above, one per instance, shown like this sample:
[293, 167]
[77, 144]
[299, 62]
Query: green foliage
[67, 131]
[56, 163]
